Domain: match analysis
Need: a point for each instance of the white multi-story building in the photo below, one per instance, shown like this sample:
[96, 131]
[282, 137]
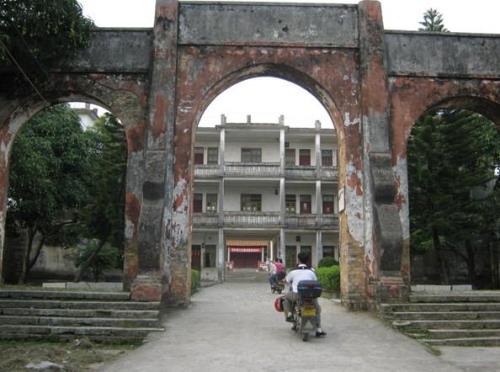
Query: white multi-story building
[263, 191]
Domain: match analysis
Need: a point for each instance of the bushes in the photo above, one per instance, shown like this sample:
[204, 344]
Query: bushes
[195, 280]
[327, 262]
[329, 277]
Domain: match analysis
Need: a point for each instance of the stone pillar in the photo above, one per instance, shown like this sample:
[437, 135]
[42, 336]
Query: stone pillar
[318, 200]
[221, 247]
[383, 232]
[154, 250]
[220, 202]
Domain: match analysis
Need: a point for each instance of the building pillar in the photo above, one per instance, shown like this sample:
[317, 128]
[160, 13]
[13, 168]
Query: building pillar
[221, 247]
[319, 248]
[282, 152]
[281, 251]
[271, 251]
[220, 203]
[163, 262]
[385, 275]
[319, 209]
[317, 147]
[282, 202]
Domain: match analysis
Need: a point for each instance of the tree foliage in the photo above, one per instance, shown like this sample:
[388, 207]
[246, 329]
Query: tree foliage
[40, 33]
[452, 160]
[103, 217]
[433, 21]
[48, 170]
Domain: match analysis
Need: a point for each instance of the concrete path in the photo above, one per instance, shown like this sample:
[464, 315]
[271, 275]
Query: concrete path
[234, 327]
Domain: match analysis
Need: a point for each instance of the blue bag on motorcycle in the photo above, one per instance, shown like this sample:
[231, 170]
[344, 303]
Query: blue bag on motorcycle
[309, 288]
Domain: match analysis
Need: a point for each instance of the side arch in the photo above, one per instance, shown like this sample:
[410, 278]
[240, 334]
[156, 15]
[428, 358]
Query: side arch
[125, 100]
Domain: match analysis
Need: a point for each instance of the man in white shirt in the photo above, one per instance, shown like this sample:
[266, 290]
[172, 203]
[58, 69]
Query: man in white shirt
[301, 272]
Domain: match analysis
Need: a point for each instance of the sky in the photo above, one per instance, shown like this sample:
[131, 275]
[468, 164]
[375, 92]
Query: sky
[268, 98]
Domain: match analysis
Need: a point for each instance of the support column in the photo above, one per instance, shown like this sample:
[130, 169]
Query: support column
[155, 248]
[282, 152]
[319, 204]
[281, 251]
[221, 247]
[222, 149]
[383, 231]
[282, 202]
[317, 147]
[319, 248]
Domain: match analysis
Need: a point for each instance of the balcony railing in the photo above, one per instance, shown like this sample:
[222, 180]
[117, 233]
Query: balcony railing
[300, 172]
[270, 169]
[253, 219]
[205, 219]
[266, 219]
[252, 169]
[207, 170]
[311, 221]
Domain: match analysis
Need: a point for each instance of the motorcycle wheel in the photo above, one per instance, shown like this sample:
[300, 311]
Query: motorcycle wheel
[305, 336]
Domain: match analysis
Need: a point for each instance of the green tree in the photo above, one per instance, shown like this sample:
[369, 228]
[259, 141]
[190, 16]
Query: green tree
[49, 163]
[103, 217]
[40, 33]
[433, 21]
[452, 157]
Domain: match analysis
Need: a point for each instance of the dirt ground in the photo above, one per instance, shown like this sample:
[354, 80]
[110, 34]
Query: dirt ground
[74, 356]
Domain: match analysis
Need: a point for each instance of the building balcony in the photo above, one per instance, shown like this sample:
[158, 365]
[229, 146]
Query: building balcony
[265, 170]
[251, 219]
[311, 221]
[266, 219]
[270, 169]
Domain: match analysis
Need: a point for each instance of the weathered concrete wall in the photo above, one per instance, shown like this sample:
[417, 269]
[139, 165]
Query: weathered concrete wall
[442, 54]
[266, 24]
[115, 51]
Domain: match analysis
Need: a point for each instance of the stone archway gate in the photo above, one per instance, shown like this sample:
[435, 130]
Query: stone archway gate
[374, 83]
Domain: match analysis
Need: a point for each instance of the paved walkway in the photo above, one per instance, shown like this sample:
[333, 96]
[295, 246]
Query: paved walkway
[234, 327]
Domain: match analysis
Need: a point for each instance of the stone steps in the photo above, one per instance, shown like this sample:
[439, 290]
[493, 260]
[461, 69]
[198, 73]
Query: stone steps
[66, 314]
[446, 315]
[458, 319]
[91, 313]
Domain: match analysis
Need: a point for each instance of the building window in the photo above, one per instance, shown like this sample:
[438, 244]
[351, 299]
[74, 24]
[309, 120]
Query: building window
[251, 155]
[327, 158]
[290, 157]
[198, 155]
[251, 202]
[304, 157]
[327, 204]
[305, 204]
[197, 203]
[291, 203]
[212, 155]
[196, 257]
[211, 203]
[209, 256]
[328, 251]
[290, 256]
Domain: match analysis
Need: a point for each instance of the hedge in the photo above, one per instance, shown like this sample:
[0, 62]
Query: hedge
[327, 262]
[329, 277]
[195, 280]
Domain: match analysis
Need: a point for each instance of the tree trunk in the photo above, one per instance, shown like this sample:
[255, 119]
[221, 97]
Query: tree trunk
[471, 263]
[84, 266]
[439, 256]
[495, 277]
[26, 258]
[37, 254]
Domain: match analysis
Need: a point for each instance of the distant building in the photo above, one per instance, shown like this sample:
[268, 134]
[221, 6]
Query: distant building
[87, 115]
[261, 191]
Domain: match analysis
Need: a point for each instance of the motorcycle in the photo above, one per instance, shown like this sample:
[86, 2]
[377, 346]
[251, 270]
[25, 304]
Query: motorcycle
[304, 314]
[277, 283]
